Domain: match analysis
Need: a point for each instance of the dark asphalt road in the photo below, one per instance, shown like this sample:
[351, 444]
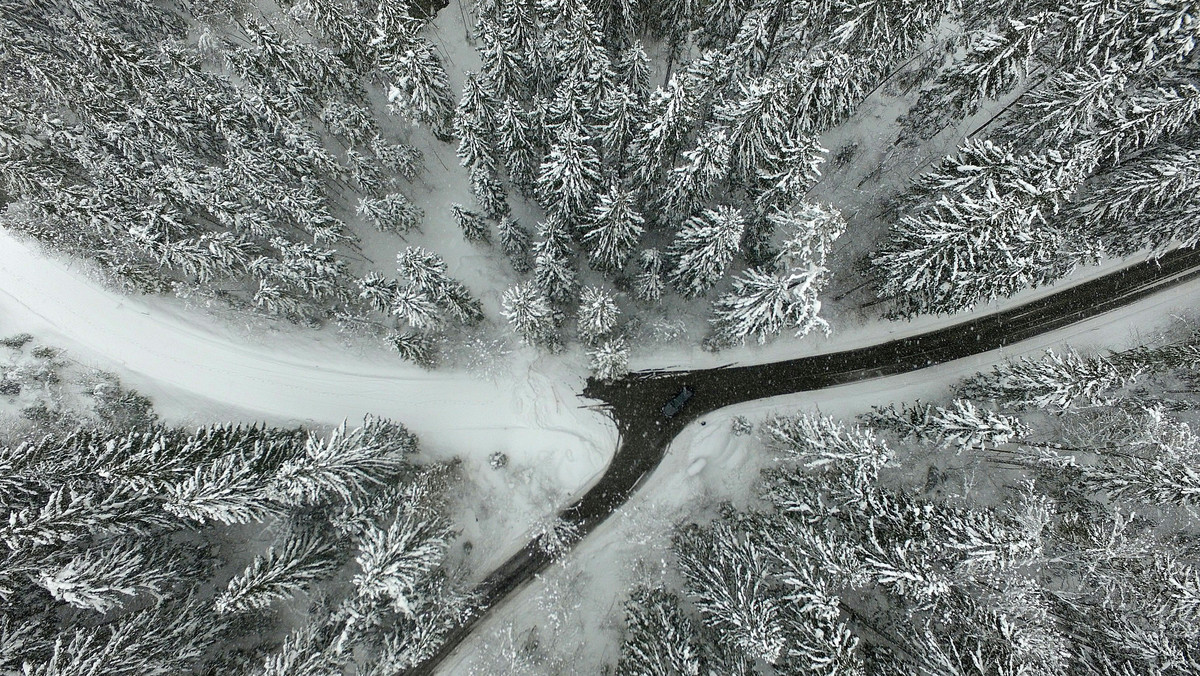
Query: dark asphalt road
[634, 402]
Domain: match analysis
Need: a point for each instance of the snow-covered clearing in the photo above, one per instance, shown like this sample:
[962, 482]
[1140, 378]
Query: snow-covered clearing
[199, 368]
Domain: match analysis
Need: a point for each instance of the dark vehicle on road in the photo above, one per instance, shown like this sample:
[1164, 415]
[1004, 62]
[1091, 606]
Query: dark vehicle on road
[672, 407]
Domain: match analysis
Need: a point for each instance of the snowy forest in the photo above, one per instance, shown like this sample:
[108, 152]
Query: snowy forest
[1042, 521]
[135, 547]
[590, 187]
[619, 156]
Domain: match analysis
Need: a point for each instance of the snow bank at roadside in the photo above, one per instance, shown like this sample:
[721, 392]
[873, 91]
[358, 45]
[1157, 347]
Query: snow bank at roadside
[198, 369]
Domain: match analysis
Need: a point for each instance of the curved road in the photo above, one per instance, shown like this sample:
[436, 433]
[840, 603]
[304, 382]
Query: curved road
[634, 401]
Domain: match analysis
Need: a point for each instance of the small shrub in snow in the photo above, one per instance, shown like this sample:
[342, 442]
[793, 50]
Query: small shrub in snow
[742, 426]
[17, 341]
[498, 460]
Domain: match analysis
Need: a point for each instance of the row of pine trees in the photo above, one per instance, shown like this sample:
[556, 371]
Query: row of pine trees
[221, 146]
[133, 547]
[1073, 552]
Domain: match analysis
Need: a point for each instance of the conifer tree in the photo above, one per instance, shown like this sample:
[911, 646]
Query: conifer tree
[515, 242]
[649, 284]
[598, 314]
[961, 424]
[569, 177]
[413, 346]
[105, 579]
[1055, 381]
[427, 272]
[489, 192]
[659, 639]
[277, 574]
[984, 232]
[613, 230]
[396, 562]
[418, 85]
[345, 465]
[704, 248]
[530, 314]
[553, 261]
[728, 581]
[473, 227]
[610, 359]
[393, 213]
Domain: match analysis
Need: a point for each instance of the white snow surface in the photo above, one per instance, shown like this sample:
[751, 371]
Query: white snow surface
[199, 368]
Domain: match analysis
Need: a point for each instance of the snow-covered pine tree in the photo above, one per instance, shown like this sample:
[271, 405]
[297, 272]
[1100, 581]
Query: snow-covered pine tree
[650, 281]
[396, 561]
[530, 314]
[1148, 202]
[228, 490]
[689, 185]
[353, 123]
[569, 178]
[659, 638]
[704, 248]
[762, 303]
[344, 466]
[962, 424]
[809, 231]
[553, 260]
[961, 252]
[302, 654]
[418, 87]
[669, 117]
[427, 272]
[1055, 381]
[489, 192]
[620, 115]
[398, 157]
[414, 307]
[517, 138]
[515, 242]
[598, 314]
[1153, 466]
[413, 346]
[473, 122]
[277, 574]
[393, 213]
[613, 229]
[474, 228]
[991, 66]
[728, 580]
[818, 441]
[610, 359]
[104, 579]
